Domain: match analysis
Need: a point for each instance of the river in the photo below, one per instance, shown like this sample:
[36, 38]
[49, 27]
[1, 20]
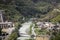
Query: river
[23, 31]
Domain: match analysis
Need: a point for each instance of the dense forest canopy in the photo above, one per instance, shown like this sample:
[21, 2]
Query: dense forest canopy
[29, 8]
[5, 1]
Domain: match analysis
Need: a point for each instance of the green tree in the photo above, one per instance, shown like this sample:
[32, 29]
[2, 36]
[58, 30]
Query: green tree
[13, 36]
[56, 19]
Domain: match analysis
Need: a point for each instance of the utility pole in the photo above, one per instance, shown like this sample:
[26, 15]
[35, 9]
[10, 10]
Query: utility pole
[1, 18]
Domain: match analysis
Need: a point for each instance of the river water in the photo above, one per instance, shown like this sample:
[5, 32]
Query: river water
[23, 31]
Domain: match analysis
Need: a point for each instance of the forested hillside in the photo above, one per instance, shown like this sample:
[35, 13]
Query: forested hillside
[45, 10]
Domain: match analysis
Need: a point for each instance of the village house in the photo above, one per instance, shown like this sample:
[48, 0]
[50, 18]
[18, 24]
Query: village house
[47, 25]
